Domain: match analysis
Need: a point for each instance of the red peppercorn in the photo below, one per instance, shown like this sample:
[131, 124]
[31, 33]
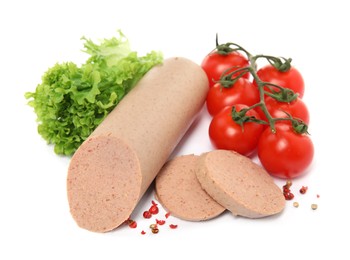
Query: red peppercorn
[288, 195]
[303, 189]
[132, 224]
[173, 226]
[160, 222]
[285, 189]
[288, 184]
[147, 214]
[143, 232]
[167, 214]
[153, 210]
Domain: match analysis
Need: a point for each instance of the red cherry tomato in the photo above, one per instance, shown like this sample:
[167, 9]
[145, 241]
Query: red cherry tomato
[291, 79]
[285, 154]
[297, 109]
[242, 92]
[226, 134]
[215, 64]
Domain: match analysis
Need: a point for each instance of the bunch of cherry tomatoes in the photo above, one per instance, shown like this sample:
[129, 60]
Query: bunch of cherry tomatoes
[258, 109]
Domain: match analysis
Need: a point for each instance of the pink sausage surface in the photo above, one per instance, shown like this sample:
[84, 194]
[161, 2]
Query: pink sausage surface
[239, 184]
[112, 169]
[179, 191]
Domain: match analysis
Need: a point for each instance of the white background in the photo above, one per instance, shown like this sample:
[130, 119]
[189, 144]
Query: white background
[35, 222]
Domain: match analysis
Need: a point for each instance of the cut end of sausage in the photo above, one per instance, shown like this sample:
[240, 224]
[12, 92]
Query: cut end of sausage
[103, 183]
[179, 191]
[238, 184]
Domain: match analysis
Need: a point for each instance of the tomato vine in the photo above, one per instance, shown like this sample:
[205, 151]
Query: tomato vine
[264, 114]
[282, 94]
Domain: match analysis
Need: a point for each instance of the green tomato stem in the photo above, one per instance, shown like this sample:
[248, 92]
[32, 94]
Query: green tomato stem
[261, 84]
[283, 95]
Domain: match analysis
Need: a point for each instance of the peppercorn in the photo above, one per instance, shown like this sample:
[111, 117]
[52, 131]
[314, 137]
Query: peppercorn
[303, 189]
[160, 221]
[147, 214]
[173, 226]
[155, 230]
[153, 209]
[295, 204]
[288, 195]
[152, 226]
[132, 224]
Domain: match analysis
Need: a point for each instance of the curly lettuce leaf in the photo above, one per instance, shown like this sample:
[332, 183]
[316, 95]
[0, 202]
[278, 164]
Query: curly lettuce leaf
[71, 101]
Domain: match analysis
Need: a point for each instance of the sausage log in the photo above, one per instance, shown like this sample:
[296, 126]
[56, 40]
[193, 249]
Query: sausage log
[113, 168]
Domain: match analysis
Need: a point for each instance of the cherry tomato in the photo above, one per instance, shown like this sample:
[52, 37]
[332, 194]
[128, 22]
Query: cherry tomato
[215, 64]
[296, 109]
[285, 154]
[226, 134]
[242, 92]
[291, 79]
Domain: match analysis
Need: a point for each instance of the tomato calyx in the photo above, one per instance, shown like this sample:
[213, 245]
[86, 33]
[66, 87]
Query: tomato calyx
[225, 48]
[299, 126]
[240, 117]
[227, 80]
[280, 63]
[283, 95]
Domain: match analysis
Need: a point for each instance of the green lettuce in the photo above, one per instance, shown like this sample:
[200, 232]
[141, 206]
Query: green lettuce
[71, 101]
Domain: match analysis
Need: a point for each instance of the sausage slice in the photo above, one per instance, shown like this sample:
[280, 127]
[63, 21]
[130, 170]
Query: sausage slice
[113, 168]
[179, 191]
[238, 184]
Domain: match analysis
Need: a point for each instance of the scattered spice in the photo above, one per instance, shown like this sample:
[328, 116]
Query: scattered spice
[147, 214]
[154, 228]
[153, 209]
[288, 195]
[132, 223]
[160, 222]
[173, 226]
[303, 189]
[287, 185]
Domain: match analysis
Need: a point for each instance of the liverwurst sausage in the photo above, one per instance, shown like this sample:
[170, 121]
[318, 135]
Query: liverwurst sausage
[113, 168]
[179, 191]
[238, 184]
